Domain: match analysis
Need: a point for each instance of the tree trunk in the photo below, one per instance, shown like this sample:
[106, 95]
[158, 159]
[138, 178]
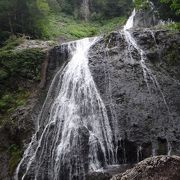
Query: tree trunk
[10, 24]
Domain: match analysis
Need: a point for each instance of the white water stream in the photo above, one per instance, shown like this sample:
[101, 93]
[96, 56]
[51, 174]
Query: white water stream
[148, 75]
[78, 111]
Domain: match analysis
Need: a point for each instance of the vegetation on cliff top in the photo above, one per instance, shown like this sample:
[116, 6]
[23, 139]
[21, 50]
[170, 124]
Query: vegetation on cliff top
[167, 9]
[65, 19]
[48, 19]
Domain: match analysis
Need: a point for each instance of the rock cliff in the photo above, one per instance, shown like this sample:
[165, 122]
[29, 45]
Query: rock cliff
[146, 122]
[144, 115]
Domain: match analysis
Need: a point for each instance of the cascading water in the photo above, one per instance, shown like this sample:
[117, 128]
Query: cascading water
[132, 44]
[148, 75]
[74, 136]
[77, 137]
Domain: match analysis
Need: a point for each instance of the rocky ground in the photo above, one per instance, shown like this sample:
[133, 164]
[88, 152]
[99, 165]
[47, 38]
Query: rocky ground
[29, 44]
[153, 168]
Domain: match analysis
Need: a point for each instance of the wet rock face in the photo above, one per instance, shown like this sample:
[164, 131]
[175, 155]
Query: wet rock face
[145, 19]
[146, 16]
[159, 167]
[144, 122]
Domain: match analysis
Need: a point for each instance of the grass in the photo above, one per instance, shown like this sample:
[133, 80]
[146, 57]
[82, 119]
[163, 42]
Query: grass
[11, 43]
[172, 26]
[57, 25]
[66, 27]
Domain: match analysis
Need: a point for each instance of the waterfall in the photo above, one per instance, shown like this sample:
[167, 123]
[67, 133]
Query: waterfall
[132, 44]
[76, 137]
[148, 75]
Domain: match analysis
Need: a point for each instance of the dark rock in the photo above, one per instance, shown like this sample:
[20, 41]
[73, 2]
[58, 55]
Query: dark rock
[146, 17]
[146, 120]
[3, 166]
[98, 176]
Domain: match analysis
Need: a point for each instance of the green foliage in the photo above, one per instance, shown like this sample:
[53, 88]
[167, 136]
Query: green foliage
[19, 17]
[24, 64]
[107, 9]
[166, 8]
[53, 18]
[141, 4]
[66, 27]
[172, 26]
[15, 154]
[100, 9]
[174, 4]
[12, 42]
[172, 56]
[61, 24]
[111, 24]
[17, 66]
[165, 11]
[11, 100]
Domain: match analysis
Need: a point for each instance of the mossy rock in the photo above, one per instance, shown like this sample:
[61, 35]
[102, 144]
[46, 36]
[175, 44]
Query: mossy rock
[15, 154]
[24, 64]
[172, 56]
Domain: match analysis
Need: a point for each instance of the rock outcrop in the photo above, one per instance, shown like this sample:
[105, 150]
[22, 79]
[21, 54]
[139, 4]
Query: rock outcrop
[146, 16]
[159, 167]
[145, 122]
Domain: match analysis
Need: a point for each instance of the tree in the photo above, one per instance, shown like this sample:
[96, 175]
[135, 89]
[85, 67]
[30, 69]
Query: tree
[99, 9]
[168, 9]
[174, 4]
[19, 17]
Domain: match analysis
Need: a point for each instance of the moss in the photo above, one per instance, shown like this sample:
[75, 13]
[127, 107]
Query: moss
[17, 69]
[172, 56]
[173, 27]
[142, 5]
[13, 100]
[15, 154]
